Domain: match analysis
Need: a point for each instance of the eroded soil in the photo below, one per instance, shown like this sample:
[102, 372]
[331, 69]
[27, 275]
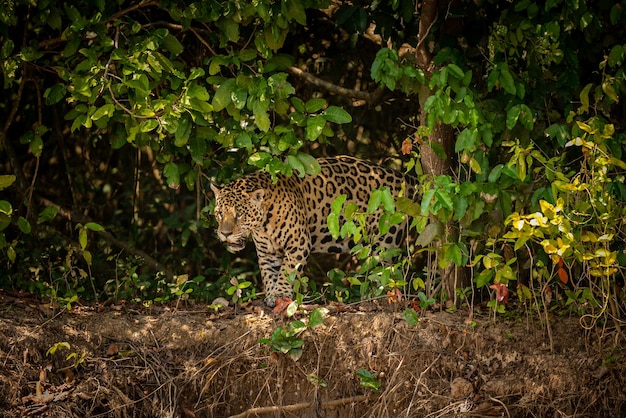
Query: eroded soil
[128, 361]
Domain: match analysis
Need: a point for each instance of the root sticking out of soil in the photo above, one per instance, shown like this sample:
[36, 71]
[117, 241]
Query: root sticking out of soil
[122, 362]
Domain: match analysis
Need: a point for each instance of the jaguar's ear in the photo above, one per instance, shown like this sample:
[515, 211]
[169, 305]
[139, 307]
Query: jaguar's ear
[216, 191]
[257, 195]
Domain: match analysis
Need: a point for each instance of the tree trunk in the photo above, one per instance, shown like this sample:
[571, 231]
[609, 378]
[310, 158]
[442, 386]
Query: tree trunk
[452, 277]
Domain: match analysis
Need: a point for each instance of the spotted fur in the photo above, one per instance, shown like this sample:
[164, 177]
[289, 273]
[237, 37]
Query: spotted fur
[288, 219]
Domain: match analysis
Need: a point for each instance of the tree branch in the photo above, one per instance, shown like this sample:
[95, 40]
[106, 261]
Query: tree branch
[305, 405]
[76, 217]
[333, 88]
[22, 184]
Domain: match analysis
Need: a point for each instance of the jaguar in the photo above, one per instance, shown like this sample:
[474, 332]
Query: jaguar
[287, 218]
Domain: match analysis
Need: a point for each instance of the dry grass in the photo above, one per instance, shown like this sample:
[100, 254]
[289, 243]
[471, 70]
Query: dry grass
[177, 363]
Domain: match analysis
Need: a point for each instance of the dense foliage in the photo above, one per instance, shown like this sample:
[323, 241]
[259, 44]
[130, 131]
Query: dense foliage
[117, 114]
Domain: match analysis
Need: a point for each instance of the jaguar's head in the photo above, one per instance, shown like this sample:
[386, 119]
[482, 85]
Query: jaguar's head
[238, 213]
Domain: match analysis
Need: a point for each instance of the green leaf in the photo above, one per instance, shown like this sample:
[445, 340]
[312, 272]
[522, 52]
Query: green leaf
[82, 238]
[426, 199]
[172, 175]
[294, 10]
[506, 79]
[92, 226]
[455, 71]
[292, 308]
[314, 105]
[47, 214]
[24, 225]
[172, 44]
[466, 140]
[374, 200]
[444, 199]
[388, 202]
[333, 225]
[296, 164]
[512, 116]
[453, 253]
[261, 117]
[54, 94]
[316, 317]
[428, 235]
[298, 104]
[222, 96]
[6, 180]
[310, 164]
[314, 127]
[338, 204]
[5, 207]
[105, 110]
[337, 115]
[411, 317]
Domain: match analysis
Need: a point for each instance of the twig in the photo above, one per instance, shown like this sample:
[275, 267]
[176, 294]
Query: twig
[77, 217]
[299, 406]
[333, 88]
[22, 184]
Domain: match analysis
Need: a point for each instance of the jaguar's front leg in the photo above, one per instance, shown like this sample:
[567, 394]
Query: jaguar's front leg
[274, 281]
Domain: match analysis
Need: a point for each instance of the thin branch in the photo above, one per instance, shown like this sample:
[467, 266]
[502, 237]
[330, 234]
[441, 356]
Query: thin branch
[22, 184]
[131, 9]
[305, 405]
[72, 216]
[333, 88]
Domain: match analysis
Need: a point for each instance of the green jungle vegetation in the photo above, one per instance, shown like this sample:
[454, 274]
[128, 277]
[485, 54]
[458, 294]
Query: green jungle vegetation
[116, 115]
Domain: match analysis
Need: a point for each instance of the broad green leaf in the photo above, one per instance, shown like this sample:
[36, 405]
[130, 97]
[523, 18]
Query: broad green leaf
[294, 10]
[296, 164]
[82, 238]
[6, 180]
[172, 44]
[92, 226]
[428, 235]
[337, 115]
[444, 199]
[55, 94]
[387, 199]
[411, 317]
[453, 253]
[314, 105]
[24, 225]
[316, 317]
[260, 159]
[455, 71]
[310, 164]
[466, 140]
[337, 203]
[47, 214]
[512, 116]
[374, 200]
[506, 79]
[426, 199]
[261, 117]
[222, 96]
[298, 104]
[105, 110]
[172, 175]
[5, 207]
[314, 127]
